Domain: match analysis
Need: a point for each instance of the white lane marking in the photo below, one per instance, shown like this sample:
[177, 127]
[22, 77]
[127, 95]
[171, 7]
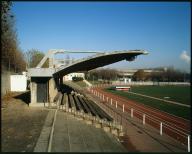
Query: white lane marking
[172, 102]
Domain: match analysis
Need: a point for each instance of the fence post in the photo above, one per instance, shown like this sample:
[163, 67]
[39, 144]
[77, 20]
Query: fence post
[143, 119]
[103, 97]
[116, 104]
[123, 108]
[188, 138]
[107, 99]
[131, 113]
[111, 101]
[161, 128]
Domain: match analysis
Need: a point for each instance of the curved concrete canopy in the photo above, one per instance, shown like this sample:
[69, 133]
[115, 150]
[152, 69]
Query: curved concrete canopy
[98, 60]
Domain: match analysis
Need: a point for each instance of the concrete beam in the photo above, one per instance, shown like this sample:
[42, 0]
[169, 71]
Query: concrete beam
[41, 72]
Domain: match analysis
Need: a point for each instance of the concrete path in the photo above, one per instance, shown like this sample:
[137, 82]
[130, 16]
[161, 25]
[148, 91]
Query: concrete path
[43, 141]
[147, 139]
[72, 135]
[87, 83]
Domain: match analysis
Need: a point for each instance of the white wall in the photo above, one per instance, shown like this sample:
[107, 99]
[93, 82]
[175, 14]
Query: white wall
[69, 77]
[18, 83]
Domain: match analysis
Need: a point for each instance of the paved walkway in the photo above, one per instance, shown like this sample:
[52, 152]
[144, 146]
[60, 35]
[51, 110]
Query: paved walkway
[147, 139]
[72, 135]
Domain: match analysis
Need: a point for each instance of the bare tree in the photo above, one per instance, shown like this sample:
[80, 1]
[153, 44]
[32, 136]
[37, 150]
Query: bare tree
[11, 54]
[103, 74]
[140, 75]
[33, 57]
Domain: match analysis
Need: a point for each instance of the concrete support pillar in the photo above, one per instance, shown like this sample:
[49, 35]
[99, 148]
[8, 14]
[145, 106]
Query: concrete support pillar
[57, 82]
[61, 80]
[51, 62]
[52, 89]
[33, 87]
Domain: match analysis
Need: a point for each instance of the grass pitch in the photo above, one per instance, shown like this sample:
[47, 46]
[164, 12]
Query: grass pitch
[161, 91]
[180, 94]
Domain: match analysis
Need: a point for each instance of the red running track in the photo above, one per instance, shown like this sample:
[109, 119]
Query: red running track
[171, 120]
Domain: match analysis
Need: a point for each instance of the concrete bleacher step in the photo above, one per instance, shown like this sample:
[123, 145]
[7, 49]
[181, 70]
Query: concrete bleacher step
[71, 103]
[77, 103]
[84, 105]
[88, 111]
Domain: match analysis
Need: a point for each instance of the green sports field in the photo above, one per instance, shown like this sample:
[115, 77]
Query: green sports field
[179, 94]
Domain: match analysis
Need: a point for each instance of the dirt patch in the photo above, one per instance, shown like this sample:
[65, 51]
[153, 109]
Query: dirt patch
[21, 124]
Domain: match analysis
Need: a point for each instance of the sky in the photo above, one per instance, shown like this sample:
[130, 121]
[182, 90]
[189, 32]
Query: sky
[161, 28]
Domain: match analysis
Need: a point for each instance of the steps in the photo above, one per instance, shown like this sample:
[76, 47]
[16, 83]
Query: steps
[87, 83]
[88, 111]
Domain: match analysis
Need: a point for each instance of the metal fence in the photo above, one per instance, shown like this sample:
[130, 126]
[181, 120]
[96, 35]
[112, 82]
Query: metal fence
[112, 107]
[146, 83]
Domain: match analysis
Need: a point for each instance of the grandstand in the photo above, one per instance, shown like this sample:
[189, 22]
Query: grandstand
[85, 109]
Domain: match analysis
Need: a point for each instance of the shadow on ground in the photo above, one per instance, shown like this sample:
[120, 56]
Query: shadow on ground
[25, 97]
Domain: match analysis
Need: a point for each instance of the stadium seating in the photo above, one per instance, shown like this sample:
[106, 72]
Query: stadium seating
[87, 110]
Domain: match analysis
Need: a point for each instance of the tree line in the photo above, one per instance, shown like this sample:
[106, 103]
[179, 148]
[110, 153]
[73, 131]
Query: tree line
[13, 59]
[157, 75]
[102, 74]
[12, 56]
[169, 74]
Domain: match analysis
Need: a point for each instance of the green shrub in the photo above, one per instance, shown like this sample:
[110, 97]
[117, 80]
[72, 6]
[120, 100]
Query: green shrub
[77, 78]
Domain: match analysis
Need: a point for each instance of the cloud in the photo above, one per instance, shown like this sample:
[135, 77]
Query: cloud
[185, 57]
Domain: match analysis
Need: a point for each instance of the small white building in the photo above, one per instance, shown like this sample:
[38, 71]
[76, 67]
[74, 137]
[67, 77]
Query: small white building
[19, 82]
[69, 77]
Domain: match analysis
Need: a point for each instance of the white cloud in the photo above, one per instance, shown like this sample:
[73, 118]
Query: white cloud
[184, 56]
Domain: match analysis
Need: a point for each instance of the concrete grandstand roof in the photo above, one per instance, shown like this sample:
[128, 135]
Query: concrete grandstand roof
[98, 60]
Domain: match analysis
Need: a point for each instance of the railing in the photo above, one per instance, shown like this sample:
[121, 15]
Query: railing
[111, 105]
[144, 83]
